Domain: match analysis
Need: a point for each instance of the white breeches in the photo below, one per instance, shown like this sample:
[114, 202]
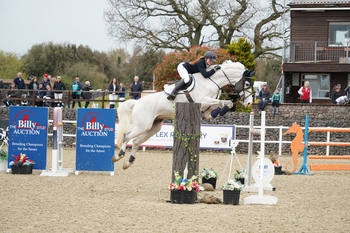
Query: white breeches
[183, 72]
[113, 97]
[58, 96]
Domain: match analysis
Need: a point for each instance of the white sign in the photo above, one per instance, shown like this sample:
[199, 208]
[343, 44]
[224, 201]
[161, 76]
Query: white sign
[213, 137]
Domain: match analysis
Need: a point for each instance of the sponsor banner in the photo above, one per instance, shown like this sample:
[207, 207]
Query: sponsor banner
[28, 134]
[213, 137]
[95, 139]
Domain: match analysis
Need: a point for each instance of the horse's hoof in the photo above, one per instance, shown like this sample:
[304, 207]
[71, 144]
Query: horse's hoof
[126, 165]
[116, 158]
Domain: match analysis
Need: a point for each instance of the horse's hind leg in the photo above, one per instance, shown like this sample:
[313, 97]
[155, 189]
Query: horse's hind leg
[122, 150]
[157, 125]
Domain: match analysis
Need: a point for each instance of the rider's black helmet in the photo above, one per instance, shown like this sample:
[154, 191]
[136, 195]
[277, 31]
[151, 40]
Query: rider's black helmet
[211, 55]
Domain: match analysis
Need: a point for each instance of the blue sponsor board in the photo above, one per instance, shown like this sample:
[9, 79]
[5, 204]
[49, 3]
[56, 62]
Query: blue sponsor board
[28, 134]
[95, 139]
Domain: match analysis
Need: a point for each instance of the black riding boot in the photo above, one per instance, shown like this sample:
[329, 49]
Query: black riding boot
[181, 84]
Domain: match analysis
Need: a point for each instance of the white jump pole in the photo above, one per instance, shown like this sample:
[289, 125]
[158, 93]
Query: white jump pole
[261, 198]
[57, 147]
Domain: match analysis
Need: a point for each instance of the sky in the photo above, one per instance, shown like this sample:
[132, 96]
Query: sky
[24, 23]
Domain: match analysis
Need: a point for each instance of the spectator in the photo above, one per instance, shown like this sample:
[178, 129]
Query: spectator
[347, 90]
[59, 86]
[276, 100]
[11, 93]
[305, 93]
[1, 84]
[76, 88]
[48, 96]
[264, 97]
[342, 100]
[40, 93]
[336, 94]
[19, 82]
[136, 89]
[45, 80]
[122, 91]
[33, 87]
[86, 93]
[113, 91]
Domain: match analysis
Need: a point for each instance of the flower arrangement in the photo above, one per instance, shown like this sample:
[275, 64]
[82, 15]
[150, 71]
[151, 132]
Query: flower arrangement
[232, 184]
[21, 160]
[184, 184]
[240, 174]
[208, 173]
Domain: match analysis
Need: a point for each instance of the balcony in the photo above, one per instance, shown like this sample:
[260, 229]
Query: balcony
[319, 52]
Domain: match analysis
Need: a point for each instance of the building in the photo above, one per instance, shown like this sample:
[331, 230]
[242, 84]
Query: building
[319, 49]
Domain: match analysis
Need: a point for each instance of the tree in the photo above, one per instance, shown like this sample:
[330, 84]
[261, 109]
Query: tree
[10, 65]
[242, 50]
[182, 24]
[166, 70]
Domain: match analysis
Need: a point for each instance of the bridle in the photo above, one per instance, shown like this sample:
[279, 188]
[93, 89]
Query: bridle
[238, 86]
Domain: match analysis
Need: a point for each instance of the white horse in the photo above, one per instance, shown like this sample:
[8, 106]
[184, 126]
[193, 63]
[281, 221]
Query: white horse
[148, 113]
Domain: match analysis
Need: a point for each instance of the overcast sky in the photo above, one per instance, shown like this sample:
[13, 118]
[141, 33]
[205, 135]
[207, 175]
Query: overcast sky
[24, 23]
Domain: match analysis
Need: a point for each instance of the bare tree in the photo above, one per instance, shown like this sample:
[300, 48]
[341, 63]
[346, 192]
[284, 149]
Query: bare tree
[181, 24]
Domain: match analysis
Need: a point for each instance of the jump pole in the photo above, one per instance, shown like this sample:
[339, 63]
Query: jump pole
[57, 147]
[261, 198]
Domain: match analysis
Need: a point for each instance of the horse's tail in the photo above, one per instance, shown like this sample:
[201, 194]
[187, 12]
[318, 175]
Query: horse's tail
[124, 118]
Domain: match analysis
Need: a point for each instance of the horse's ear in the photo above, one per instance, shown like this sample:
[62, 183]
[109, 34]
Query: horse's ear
[249, 73]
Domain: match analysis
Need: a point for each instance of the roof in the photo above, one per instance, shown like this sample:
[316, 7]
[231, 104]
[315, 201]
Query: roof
[318, 2]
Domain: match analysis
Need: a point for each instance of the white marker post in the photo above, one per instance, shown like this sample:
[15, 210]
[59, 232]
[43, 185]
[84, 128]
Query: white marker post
[57, 147]
[261, 198]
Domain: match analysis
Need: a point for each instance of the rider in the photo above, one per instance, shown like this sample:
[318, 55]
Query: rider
[196, 66]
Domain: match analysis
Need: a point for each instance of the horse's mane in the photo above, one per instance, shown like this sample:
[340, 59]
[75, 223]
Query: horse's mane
[230, 64]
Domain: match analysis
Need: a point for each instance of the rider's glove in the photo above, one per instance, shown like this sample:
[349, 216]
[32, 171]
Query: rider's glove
[217, 67]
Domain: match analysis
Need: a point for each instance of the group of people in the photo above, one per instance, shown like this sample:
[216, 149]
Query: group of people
[338, 98]
[264, 99]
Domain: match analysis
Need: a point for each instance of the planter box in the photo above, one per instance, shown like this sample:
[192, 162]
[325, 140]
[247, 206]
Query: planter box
[278, 170]
[22, 169]
[183, 197]
[211, 181]
[232, 197]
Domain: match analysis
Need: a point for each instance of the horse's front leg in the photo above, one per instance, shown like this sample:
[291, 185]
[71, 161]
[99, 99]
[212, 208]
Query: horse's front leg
[215, 104]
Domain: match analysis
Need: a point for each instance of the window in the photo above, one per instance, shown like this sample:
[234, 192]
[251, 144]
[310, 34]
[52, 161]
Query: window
[339, 33]
[319, 83]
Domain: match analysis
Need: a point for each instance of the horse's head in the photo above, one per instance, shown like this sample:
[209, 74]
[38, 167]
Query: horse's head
[241, 80]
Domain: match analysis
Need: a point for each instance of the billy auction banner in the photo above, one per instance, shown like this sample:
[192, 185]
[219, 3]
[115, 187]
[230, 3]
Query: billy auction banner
[95, 139]
[28, 131]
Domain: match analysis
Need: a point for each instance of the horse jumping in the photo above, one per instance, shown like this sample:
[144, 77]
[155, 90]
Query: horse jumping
[141, 119]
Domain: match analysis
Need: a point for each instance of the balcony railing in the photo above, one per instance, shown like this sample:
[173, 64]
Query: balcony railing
[316, 52]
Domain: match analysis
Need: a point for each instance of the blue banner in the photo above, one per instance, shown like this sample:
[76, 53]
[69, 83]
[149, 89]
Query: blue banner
[95, 139]
[28, 134]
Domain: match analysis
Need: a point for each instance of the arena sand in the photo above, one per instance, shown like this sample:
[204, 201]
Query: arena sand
[135, 200]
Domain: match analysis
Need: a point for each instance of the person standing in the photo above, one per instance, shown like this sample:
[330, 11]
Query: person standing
[200, 65]
[305, 93]
[136, 89]
[58, 95]
[33, 88]
[122, 92]
[86, 93]
[76, 91]
[113, 91]
[19, 82]
[45, 80]
[276, 100]
[264, 97]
